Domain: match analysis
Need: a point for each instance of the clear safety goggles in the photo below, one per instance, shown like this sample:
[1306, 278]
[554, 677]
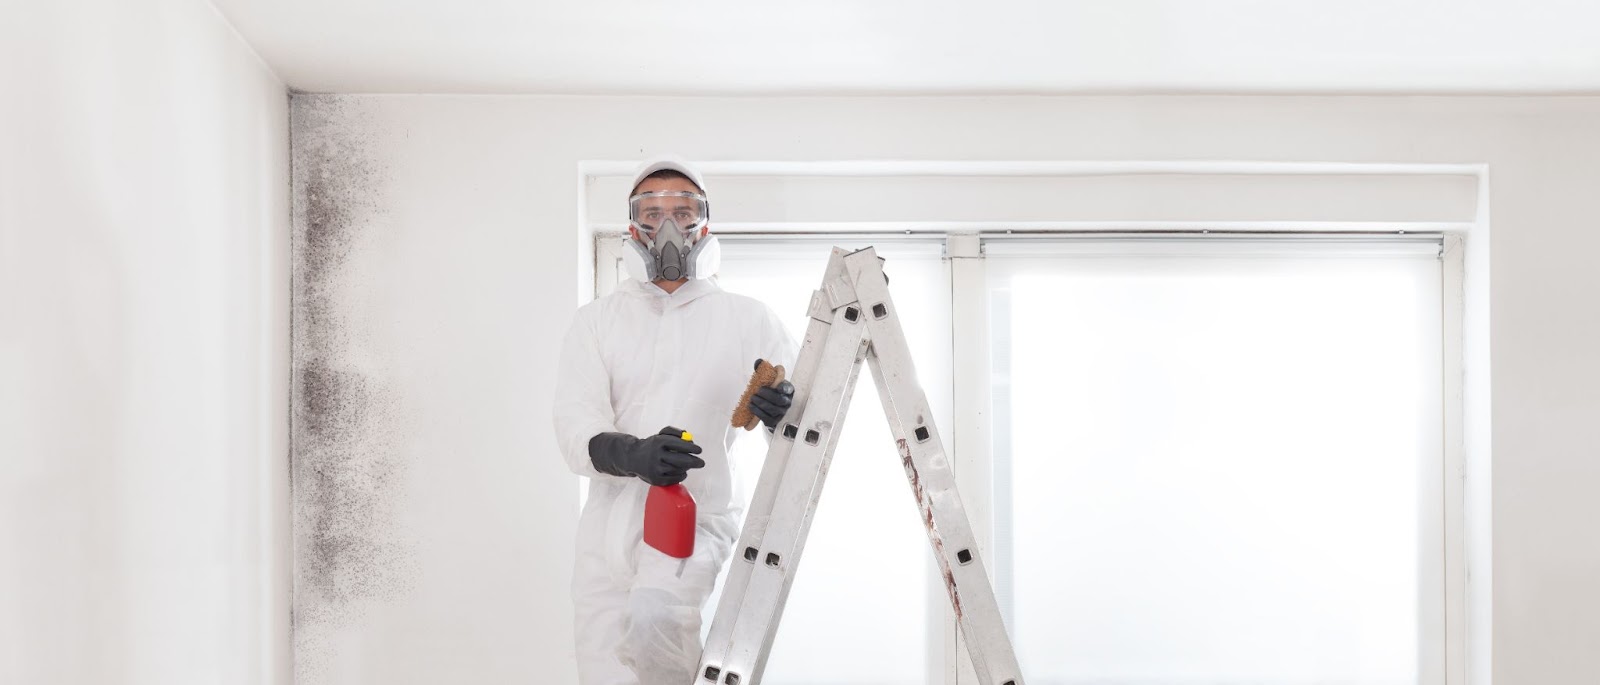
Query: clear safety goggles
[647, 211]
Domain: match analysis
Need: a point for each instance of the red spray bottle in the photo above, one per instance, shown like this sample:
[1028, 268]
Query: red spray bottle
[669, 517]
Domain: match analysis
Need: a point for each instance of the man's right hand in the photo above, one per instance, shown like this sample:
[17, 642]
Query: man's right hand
[661, 459]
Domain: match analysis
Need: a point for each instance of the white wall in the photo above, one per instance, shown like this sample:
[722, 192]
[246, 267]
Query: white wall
[470, 264]
[143, 348]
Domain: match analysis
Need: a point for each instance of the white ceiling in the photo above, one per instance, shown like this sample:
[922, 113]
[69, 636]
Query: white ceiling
[937, 46]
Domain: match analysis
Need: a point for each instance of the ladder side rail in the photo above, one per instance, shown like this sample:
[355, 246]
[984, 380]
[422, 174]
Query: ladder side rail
[932, 480]
[757, 515]
[814, 436]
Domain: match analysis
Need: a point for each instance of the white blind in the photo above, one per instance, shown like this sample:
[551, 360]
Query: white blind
[1213, 459]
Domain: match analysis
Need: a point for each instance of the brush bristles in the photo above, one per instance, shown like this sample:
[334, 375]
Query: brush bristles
[765, 376]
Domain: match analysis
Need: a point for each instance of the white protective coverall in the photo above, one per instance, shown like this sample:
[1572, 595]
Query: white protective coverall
[634, 362]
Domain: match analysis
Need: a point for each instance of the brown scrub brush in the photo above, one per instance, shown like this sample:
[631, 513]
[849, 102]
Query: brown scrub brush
[765, 376]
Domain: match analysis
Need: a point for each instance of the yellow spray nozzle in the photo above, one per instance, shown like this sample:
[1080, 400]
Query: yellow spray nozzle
[688, 437]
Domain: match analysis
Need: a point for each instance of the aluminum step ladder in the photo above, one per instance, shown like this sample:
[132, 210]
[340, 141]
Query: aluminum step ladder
[852, 319]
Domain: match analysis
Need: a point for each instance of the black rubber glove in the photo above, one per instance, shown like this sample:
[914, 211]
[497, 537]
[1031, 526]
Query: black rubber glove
[770, 404]
[661, 459]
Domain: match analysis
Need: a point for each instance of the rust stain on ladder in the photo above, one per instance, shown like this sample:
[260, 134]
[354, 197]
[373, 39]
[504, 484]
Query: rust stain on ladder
[926, 505]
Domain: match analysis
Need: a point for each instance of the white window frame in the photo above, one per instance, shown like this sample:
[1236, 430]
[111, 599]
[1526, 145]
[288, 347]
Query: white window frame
[1461, 635]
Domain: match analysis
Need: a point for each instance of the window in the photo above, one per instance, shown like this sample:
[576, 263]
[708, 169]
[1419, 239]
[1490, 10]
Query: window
[1215, 460]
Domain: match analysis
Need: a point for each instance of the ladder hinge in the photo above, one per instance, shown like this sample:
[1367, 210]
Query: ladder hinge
[840, 293]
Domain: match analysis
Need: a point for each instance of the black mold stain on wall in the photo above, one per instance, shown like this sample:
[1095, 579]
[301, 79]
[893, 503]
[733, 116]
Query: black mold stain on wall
[346, 468]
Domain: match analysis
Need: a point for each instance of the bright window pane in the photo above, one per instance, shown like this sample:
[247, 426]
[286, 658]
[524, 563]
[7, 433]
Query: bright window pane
[858, 610]
[1217, 464]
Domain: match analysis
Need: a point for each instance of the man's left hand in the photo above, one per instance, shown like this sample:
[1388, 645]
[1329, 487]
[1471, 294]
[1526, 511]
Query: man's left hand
[770, 404]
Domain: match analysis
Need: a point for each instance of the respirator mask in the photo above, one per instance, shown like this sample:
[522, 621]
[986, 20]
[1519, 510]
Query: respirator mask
[670, 245]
